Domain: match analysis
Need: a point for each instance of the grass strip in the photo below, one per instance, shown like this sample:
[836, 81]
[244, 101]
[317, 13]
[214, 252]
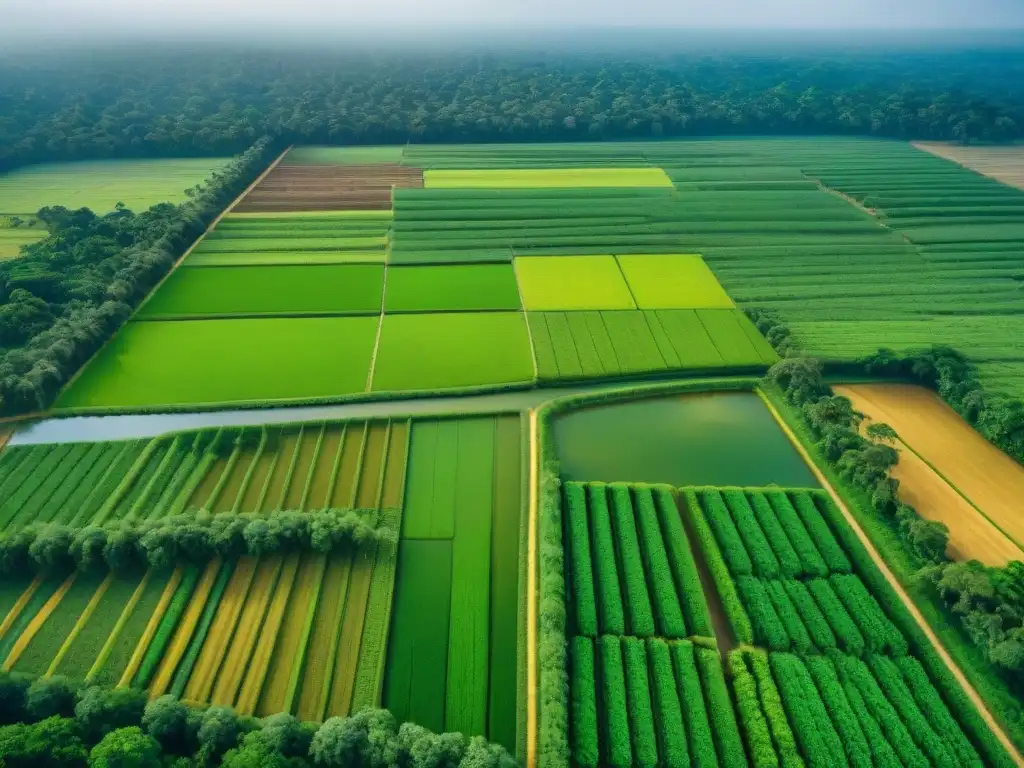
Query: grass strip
[208, 609]
[151, 628]
[115, 633]
[299, 663]
[168, 623]
[83, 619]
[36, 623]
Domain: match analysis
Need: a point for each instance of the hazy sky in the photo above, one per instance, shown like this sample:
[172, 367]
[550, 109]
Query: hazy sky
[212, 15]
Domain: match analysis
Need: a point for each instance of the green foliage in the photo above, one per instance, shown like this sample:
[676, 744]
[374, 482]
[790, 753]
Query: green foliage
[790, 565]
[693, 708]
[165, 631]
[814, 622]
[634, 581]
[721, 522]
[720, 710]
[101, 710]
[848, 636]
[811, 561]
[834, 556]
[724, 584]
[125, 748]
[789, 616]
[669, 719]
[667, 609]
[762, 557]
[775, 714]
[755, 725]
[684, 569]
[50, 697]
[583, 689]
[768, 628]
[638, 690]
[53, 741]
[839, 711]
[612, 615]
[880, 634]
[619, 752]
[581, 574]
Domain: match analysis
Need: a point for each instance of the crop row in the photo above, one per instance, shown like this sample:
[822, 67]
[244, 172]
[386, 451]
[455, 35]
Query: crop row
[222, 470]
[647, 703]
[630, 566]
[818, 615]
[770, 533]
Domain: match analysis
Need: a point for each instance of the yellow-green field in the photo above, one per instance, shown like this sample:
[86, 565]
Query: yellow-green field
[572, 282]
[673, 281]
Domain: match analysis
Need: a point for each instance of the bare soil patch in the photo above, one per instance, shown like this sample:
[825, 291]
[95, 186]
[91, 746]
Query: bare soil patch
[1005, 164]
[328, 188]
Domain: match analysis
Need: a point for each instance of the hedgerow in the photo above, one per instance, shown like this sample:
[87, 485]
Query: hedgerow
[768, 628]
[582, 576]
[634, 582]
[880, 634]
[833, 555]
[671, 735]
[691, 703]
[684, 569]
[728, 538]
[731, 604]
[789, 562]
[811, 560]
[618, 752]
[666, 603]
[839, 711]
[762, 558]
[720, 711]
[848, 636]
[584, 703]
[188, 538]
[813, 619]
[611, 614]
[755, 725]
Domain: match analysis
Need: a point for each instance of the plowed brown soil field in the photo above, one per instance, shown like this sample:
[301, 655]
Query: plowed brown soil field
[1005, 164]
[933, 435]
[328, 188]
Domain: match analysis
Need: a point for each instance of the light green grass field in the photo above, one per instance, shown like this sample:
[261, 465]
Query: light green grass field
[455, 287]
[11, 240]
[335, 289]
[268, 258]
[285, 243]
[673, 281]
[463, 349]
[101, 184]
[520, 178]
[343, 155]
[225, 361]
[550, 283]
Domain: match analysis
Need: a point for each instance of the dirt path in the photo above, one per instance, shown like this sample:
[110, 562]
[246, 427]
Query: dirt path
[907, 601]
[531, 605]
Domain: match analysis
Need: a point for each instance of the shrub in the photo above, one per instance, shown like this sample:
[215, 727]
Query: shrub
[839, 710]
[584, 703]
[720, 711]
[680, 558]
[634, 582]
[50, 697]
[774, 713]
[811, 561]
[768, 628]
[667, 611]
[833, 555]
[619, 753]
[125, 748]
[728, 538]
[847, 634]
[612, 615]
[811, 731]
[100, 710]
[755, 726]
[880, 634]
[799, 638]
[813, 619]
[668, 713]
[638, 690]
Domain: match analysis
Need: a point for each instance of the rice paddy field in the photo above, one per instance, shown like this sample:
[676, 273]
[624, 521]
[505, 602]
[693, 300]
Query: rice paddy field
[102, 184]
[312, 634]
[13, 238]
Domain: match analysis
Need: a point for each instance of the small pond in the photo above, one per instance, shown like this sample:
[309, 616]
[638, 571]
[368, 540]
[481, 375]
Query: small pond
[711, 438]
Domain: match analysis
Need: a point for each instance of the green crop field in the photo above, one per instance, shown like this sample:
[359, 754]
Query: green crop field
[461, 287]
[229, 360]
[572, 282]
[672, 281]
[521, 178]
[247, 291]
[101, 184]
[13, 238]
[444, 350]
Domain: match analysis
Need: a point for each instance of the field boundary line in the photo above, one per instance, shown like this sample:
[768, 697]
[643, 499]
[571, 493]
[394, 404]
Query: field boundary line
[380, 330]
[905, 598]
[164, 279]
[526, 319]
[531, 605]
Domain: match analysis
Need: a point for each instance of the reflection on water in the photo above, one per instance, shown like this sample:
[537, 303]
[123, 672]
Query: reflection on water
[97, 428]
[713, 438]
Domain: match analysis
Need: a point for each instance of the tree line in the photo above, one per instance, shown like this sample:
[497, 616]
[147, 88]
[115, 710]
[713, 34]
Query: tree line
[218, 99]
[987, 601]
[69, 293]
[52, 722]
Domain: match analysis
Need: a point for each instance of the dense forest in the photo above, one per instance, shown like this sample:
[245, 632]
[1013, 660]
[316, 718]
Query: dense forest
[215, 100]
